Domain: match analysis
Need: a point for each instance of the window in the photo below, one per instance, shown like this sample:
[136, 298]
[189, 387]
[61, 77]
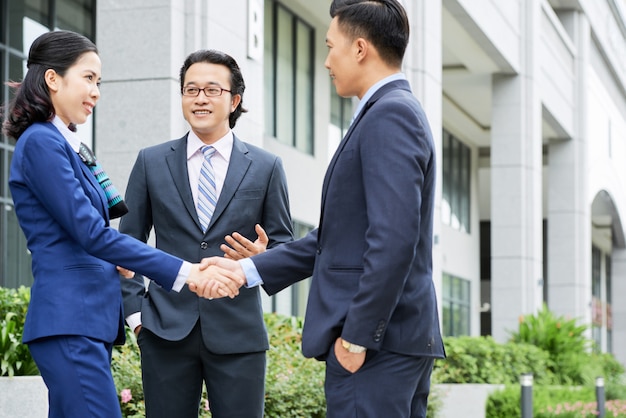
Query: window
[455, 205]
[609, 301]
[455, 306]
[20, 23]
[596, 297]
[341, 111]
[289, 63]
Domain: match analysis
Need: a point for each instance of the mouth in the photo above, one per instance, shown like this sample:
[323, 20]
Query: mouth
[89, 107]
[201, 112]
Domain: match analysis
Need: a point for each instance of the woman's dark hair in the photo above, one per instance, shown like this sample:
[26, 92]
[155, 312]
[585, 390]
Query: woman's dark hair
[384, 23]
[57, 50]
[237, 85]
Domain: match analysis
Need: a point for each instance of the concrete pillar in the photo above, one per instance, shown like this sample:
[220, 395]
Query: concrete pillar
[422, 66]
[569, 211]
[516, 184]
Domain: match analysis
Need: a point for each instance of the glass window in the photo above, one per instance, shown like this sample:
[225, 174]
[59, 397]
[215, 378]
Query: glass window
[76, 15]
[455, 206]
[455, 306]
[289, 75]
[20, 23]
[340, 118]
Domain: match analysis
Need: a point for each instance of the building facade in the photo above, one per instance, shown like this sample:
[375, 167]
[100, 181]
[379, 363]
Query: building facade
[527, 102]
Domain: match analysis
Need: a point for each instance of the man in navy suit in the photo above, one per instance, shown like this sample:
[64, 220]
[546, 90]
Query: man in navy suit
[372, 310]
[220, 342]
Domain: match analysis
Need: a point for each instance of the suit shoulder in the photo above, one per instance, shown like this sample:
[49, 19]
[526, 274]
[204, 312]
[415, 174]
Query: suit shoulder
[163, 147]
[256, 152]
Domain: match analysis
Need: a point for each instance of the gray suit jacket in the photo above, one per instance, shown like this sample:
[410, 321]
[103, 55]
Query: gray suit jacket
[158, 195]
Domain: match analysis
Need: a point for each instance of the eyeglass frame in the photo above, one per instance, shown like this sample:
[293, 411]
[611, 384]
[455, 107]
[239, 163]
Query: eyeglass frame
[204, 89]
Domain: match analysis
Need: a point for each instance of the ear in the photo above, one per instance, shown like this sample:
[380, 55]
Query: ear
[235, 102]
[52, 79]
[361, 49]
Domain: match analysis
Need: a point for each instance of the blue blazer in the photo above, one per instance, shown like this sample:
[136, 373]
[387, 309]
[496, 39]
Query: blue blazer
[371, 256]
[159, 196]
[64, 215]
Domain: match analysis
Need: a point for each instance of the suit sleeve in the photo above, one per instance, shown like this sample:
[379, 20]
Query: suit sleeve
[287, 264]
[137, 223]
[66, 201]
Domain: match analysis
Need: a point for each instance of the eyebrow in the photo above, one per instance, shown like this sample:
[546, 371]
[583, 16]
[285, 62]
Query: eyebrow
[211, 83]
[93, 73]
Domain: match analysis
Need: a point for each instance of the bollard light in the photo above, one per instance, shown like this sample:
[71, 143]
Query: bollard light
[600, 397]
[526, 382]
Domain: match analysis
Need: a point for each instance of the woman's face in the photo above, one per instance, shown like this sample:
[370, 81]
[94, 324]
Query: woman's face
[75, 94]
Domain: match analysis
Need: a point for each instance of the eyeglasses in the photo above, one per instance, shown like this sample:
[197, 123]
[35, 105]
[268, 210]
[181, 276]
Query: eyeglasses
[208, 91]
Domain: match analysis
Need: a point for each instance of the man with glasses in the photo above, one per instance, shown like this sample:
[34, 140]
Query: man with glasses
[195, 191]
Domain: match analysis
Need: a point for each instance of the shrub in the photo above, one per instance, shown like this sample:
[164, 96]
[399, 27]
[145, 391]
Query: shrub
[15, 358]
[506, 403]
[561, 338]
[483, 360]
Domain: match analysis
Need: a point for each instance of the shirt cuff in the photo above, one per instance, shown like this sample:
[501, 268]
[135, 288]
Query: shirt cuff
[183, 274]
[253, 277]
[134, 320]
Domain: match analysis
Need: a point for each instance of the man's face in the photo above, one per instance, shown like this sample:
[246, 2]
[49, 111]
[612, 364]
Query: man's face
[341, 61]
[208, 116]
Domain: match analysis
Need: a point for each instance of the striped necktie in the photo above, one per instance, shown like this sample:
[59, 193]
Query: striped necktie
[207, 195]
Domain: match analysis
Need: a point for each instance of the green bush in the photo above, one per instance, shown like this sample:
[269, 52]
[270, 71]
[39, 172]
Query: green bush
[563, 339]
[552, 402]
[15, 359]
[483, 360]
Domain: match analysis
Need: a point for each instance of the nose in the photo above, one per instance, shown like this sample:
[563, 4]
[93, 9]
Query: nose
[95, 92]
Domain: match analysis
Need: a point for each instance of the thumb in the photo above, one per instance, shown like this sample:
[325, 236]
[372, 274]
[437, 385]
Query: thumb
[263, 238]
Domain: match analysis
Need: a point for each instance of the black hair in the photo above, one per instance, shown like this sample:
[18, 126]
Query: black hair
[57, 50]
[384, 23]
[237, 85]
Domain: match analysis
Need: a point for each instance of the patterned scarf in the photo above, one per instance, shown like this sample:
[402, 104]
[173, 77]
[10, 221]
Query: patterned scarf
[117, 206]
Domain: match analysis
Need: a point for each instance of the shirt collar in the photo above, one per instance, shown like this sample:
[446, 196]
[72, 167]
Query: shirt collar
[223, 146]
[69, 136]
[370, 92]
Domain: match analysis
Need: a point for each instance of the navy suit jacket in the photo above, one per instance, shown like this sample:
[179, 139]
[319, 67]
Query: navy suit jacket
[64, 214]
[158, 195]
[371, 256]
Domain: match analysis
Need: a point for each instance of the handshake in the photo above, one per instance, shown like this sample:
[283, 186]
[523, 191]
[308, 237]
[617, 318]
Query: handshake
[216, 277]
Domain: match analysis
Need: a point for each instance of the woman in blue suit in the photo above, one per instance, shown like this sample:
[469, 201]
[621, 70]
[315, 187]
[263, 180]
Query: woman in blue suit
[64, 202]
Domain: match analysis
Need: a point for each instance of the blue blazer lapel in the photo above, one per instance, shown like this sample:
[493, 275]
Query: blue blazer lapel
[177, 164]
[237, 169]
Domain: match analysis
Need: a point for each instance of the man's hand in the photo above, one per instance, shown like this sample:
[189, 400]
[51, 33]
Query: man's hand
[352, 362]
[242, 247]
[127, 274]
[231, 266]
[214, 282]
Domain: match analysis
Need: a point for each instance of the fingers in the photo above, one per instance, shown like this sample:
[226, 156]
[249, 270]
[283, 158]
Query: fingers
[206, 262]
[127, 274]
[262, 236]
[215, 281]
[238, 246]
[241, 247]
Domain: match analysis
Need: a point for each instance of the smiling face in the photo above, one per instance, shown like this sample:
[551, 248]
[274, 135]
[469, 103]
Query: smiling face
[75, 94]
[208, 116]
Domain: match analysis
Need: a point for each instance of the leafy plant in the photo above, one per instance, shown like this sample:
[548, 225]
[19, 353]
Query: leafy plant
[562, 338]
[15, 358]
[483, 360]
